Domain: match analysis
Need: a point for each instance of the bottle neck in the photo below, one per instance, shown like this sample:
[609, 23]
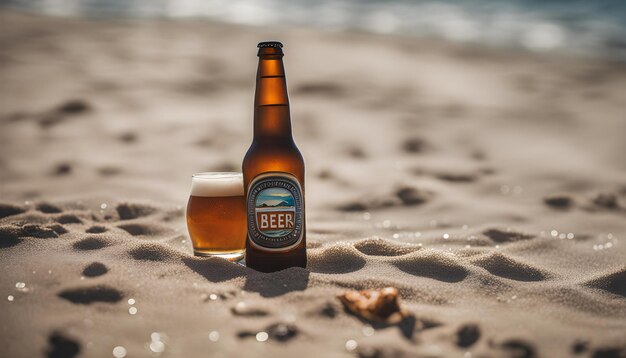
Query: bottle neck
[272, 120]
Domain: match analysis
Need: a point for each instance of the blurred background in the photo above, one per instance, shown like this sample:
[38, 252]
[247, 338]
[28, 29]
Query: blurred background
[439, 108]
[576, 26]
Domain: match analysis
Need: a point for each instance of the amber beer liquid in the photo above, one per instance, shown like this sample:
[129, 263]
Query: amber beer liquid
[216, 216]
[273, 173]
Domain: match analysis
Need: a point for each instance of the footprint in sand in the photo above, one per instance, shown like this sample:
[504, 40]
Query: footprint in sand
[59, 229]
[139, 229]
[92, 294]
[61, 169]
[505, 266]
[467, 335]
[74, 106]
[107, 171]
[9, 236]
[559, 201]
[608, 201]
[414, 145]
[352, 207]
[381, 247]
[609, 352]
[404, 195]
[92, 243]
[328, 310]
[148, 253]
[431, 264]
[95, 269]
[325, 174]
[10, 210]
[62, 346]
[68, 219]
[457, 177]
[355, 152]
[127, 211]
[410, 196]
[9, 232]
[503, 236]
[58, 115]
[128, 137]
[48, 208]
[518, 349]
[96, 229]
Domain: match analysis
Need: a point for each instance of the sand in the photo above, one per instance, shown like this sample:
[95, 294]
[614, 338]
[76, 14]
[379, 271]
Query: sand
[488, 186]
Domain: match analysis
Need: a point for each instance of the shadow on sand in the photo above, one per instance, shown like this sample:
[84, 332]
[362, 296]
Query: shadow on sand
[266, 284]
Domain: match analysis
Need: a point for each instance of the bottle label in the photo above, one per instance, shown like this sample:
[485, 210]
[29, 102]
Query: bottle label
[274, 210]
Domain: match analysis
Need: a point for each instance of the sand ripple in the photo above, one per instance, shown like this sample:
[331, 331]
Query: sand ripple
[506, 266]
[432, 264]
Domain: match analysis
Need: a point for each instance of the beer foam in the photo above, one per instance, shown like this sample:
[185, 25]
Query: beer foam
[217, 184]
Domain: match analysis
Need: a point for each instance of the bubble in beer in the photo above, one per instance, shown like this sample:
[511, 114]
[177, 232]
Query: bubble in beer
[20, 285]
[10, 298]
[131, 301]
[119, 352]
[132, 310]
[103, 206]
[351, 345]
[213, 297]
[262, 336]
[446, 236]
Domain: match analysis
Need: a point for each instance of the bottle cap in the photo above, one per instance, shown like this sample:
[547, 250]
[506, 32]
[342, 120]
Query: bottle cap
[275, 44]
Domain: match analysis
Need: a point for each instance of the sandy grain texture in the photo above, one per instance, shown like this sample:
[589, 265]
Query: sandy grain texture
[489, 187]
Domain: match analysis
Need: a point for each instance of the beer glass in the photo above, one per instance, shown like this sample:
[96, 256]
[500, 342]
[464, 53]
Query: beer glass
[216, 215]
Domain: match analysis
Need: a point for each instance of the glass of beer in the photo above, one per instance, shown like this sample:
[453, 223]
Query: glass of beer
[216, 215]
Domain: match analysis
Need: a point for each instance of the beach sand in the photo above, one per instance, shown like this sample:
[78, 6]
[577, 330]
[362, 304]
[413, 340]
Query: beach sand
[487, 185]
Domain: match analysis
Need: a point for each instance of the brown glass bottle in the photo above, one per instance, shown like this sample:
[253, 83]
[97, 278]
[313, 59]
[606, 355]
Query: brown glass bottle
[273, 173]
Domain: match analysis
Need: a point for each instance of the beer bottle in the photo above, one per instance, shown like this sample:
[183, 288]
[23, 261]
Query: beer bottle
[273, 173]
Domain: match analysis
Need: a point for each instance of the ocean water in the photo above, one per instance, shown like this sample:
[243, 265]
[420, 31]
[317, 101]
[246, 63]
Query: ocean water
[586, 27]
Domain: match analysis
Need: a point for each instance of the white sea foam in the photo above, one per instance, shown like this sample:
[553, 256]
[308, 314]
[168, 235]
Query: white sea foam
[217, 184]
